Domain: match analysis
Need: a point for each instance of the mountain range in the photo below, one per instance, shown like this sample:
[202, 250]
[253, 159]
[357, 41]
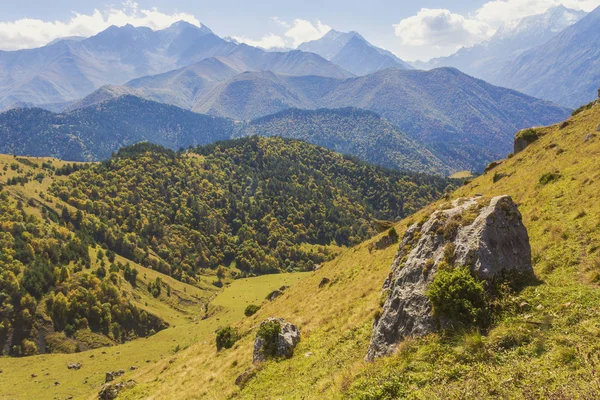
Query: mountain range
[466, 130]
[486, 59]
[67, 70]
[564, 70]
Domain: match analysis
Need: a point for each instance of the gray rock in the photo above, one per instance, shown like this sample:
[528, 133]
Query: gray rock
[488, 237]
[111, 391]
[288, 338]
[110, 376]
[75, 366]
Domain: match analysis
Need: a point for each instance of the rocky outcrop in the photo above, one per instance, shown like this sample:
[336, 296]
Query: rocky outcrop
[486, 235]
[275, 344]
[111, 391]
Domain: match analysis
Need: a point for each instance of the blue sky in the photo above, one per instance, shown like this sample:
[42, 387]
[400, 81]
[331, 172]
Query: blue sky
[412, 30]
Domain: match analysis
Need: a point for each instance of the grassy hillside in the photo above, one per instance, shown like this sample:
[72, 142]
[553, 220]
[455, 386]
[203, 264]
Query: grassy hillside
[542, 346]
[360, 133]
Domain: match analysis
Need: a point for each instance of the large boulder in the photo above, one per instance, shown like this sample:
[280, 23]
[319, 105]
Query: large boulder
[275, 343]
[487, 236]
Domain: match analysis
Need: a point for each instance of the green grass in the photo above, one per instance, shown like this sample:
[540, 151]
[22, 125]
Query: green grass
[150, 354]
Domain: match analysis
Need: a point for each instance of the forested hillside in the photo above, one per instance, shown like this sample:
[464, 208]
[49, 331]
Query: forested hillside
[259, 205]
[361, 133]
[93, 133]
[54, 295]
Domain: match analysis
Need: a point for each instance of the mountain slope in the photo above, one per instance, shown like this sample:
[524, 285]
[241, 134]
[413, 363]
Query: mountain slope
[542, 345]
[353, 53]
[485, 60]
[564, 70]
[94, 132]
[466, 130]
[360, 133]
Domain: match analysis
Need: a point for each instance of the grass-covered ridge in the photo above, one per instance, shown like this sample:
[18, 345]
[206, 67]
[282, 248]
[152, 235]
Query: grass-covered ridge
[543, 344]
[255, 205]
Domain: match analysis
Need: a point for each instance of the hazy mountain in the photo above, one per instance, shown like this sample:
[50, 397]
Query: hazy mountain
[512, 39]
[361, 133]
[565, 70]
[67, 70]
[353, 53]
[466, 129]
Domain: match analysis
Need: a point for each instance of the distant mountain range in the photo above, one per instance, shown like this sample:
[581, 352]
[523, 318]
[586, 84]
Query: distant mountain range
[93, 133]
[69, 69]
[353, 53]
[565, 70]
[554, 56]
[485, 60]
[466, 130]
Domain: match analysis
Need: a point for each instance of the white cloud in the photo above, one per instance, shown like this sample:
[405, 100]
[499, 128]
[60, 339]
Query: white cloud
[296, 33]
[440, 32]
[441, 28]
[270, 41]
[29, 33]
[303, 31]
[496, 12]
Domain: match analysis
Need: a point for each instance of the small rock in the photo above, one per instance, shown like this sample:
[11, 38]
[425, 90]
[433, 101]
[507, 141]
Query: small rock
[288, 338]
[33, 375]
[598, 128]
[539, 307]
[171, 361]
[109, 377]
[568, 305]
[133, 368]
[75, 366]
[56, 383]
[324, 282]
[589, 137]
[309, 354]
[111, 391]
[524, 306]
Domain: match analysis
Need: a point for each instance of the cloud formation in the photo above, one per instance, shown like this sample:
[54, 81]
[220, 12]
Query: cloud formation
[440, 32]
[29, 33]
[440, 27]
[269, 41]
[304, 31]
[296, 33]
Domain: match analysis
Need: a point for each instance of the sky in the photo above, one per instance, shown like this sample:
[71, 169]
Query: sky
[412, 30]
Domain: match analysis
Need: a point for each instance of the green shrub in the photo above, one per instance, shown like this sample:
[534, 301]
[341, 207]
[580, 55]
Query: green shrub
[548, 178]
[269, 333]
[251, 310]
[457, 295]
[529, 135]
[226, 337]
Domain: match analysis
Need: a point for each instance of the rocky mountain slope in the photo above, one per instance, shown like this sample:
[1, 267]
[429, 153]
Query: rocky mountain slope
[563, 70]
[487, 59]
[353, 53]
